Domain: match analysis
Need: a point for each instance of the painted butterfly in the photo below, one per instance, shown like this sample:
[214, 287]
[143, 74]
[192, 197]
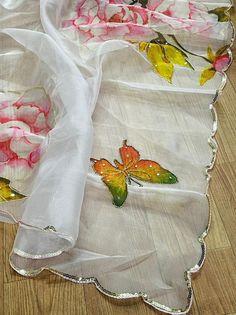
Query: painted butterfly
[116, 177]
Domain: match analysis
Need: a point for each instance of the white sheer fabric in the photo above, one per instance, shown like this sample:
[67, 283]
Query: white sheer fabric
[100, 94]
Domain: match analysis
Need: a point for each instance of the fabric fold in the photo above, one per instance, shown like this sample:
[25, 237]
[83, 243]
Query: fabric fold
[71, 134]
[106, 140]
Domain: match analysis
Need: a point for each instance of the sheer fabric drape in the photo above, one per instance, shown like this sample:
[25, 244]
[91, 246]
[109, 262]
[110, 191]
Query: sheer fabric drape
[75, 85]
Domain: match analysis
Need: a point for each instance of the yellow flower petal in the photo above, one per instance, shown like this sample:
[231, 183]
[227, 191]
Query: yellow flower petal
[165, 70]
[143, 46]
[8, 193]
[210, 54]
[206, 75]
[176, 56]
[156, 56]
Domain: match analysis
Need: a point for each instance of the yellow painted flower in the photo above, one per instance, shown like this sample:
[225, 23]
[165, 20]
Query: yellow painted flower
[219, 61]
[163, 57]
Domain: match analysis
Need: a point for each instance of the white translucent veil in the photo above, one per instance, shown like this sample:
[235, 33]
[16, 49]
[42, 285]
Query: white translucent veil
[100, 96]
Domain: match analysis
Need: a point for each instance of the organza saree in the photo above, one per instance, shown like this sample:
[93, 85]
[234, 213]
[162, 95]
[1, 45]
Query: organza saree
[107, 124]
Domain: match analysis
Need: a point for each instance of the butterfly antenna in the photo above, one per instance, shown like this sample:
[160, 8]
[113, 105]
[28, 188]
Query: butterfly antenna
[125, 142]
[136, 182]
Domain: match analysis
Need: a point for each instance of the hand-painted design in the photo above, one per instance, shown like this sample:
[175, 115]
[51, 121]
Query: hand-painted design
[97, 20]
[23, 124]
[193, 8]
[117, 177]
[163, 56]
[8, 193]
[219, 62]
[221, 13]
[137, 21]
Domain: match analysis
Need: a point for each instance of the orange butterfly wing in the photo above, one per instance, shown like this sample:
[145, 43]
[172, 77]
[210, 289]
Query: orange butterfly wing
[152, 172]
[129, 155]
[113, 178]
[144, 170]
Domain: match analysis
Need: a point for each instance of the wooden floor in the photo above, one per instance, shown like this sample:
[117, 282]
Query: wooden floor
[214, 286]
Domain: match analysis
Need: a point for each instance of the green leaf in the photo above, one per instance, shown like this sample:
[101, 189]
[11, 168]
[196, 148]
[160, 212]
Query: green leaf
[221, 13]
[142, 2]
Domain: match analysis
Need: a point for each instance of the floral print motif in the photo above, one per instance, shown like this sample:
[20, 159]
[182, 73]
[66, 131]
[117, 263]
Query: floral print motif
[139, 21]
[219, 62]
[23, 125]
[99, 20]
[163, 56]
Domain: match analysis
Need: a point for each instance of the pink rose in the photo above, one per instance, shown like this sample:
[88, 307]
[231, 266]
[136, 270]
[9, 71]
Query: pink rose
[221, 62]
[16, 147]
[23, 125]
[128, 14]
[98, 20]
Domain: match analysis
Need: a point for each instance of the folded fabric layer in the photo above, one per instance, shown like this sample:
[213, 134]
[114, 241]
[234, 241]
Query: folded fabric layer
[56, 77]
[110, 140]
